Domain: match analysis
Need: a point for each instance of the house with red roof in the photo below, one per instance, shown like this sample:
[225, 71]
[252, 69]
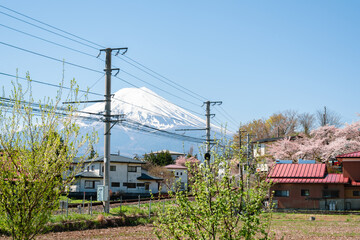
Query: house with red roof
[180, 180]
[310, 186]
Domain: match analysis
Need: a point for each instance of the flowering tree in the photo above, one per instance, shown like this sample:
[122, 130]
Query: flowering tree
[322, 144]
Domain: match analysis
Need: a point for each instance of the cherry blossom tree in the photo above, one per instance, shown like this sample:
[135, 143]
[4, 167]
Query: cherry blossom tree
[322, 144]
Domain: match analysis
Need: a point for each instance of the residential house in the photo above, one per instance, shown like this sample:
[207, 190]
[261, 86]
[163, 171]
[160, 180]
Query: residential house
[180, 180]
[127, 178]
[260, 146]
[310, 186]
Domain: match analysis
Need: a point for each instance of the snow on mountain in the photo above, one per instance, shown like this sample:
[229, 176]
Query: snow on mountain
[146, 107]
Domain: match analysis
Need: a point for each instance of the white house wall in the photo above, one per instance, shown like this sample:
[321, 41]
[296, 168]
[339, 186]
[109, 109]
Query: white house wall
[119, 179]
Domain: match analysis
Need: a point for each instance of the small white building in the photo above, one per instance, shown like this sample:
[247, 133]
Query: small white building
[127, 178]
[180, 181]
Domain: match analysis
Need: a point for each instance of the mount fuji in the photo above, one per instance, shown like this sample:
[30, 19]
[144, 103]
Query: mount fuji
[144, 107]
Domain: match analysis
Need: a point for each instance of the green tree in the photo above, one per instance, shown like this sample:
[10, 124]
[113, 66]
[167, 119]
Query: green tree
[222, 208]
[162, 158]
[39, 142]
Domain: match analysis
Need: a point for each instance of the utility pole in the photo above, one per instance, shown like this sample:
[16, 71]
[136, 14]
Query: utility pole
[240, 155]
[107, 120]
[208, 128]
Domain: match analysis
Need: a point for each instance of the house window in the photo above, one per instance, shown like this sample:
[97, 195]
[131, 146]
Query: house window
[129, 185]
[356, 193]
[141, 184]
[305, 192]
[102, 169]
[330, 193]
[281, 193]
[181, 173]
[88, 169]
[147, 186]
[132, 169]
[177, 174]
[89, 184]
[115, 184]
[113, 168]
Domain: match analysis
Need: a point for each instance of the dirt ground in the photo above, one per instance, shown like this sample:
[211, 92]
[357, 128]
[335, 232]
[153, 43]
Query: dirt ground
[135, 233]
[284, 226]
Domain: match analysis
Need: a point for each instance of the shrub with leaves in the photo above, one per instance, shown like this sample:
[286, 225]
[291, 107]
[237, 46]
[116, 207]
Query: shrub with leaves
[38, 143]
[218, 206]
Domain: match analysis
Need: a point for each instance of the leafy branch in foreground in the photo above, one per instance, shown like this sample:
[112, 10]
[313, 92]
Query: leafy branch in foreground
[218, 206]
[38, 142]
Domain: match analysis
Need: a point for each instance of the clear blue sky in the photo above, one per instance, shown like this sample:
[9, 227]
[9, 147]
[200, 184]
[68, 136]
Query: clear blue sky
[258, 57]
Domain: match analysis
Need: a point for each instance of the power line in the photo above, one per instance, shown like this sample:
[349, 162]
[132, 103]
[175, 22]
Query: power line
[48, 41]
[227, 123]
[76, 51]
[157, 96]
[21, 14]
[48, 84]
[230, 117]
[157, 87]
[52, 58]
[88, 92]
[47, 30]
[57, 44]
[184, 88]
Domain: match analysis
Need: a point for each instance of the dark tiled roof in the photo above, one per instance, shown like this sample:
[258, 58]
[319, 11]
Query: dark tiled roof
[88, 175]
[268, 140]
[144, 176]
[298, 171]
[116, 159]
[349, 155]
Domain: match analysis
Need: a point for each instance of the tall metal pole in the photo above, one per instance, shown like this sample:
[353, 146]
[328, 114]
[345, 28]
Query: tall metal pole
[248, 160]
[107, 127]
[208, 129]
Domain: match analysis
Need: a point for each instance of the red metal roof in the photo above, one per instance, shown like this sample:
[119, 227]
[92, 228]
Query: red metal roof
[349, 155]
[330, 178]
[298, 171]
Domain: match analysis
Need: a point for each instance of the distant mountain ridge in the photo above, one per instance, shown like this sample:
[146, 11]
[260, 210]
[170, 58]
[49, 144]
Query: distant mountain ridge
[146, 107]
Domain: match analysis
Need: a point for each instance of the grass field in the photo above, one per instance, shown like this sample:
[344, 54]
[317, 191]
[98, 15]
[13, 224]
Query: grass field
[298, 226]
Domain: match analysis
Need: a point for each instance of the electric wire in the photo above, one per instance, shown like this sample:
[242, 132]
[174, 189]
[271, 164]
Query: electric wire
[8, 103]
[89, 92]
[157, 96]
[47, 30]
[102, 60]
[152, 75]
[227, 123]
[157, 87]
[229, 116]
[186, 89]
[58, 29]
[52, 58]
[48, 41]
[69, 63]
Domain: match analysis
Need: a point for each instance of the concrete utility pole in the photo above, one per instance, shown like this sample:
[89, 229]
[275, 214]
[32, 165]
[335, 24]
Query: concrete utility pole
[240, 157]
[107, 120]
[208, 128]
